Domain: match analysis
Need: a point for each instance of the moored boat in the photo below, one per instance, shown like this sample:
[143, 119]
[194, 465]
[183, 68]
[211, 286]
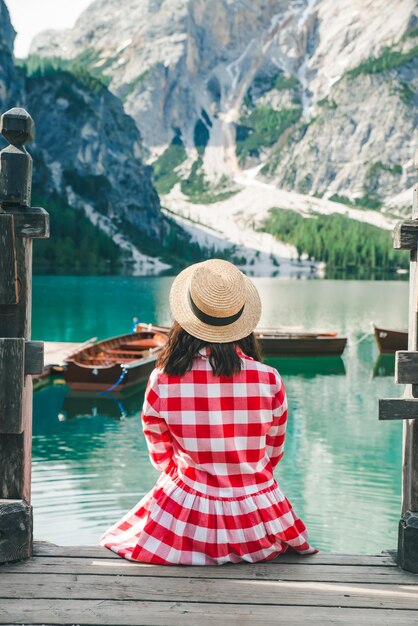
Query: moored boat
[389, 340]
[115, 363]
[288, 342]
[282, 343]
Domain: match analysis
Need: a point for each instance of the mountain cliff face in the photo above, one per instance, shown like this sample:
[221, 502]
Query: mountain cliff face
[321, 95]
[88, 156]
[360, 142]
[92, 147]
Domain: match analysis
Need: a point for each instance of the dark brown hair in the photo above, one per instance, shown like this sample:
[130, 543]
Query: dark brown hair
[176, 358]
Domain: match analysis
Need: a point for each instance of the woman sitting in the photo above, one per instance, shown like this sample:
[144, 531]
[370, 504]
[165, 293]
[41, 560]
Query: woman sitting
[214, 418]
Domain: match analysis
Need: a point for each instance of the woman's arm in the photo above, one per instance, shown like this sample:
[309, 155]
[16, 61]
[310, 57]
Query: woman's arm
[276, 435]
[156, 431]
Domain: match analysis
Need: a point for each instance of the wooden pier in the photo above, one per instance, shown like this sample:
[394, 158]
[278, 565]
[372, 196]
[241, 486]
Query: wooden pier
[57, 351]
[89, 585]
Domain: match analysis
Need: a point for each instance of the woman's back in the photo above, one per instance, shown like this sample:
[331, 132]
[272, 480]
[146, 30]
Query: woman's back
[227, 433]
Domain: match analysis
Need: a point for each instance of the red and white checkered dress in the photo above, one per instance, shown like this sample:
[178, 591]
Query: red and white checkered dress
[216, 441]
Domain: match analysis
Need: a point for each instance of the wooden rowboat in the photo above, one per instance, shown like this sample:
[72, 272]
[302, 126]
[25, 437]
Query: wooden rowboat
[115, 363]
[277, 342]
[281, 343]
[389, 340]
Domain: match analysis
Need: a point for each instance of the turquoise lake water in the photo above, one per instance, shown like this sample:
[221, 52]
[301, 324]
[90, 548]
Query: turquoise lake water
[341, 469]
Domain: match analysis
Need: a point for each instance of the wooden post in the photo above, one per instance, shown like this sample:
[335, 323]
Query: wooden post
[19, 357]
[406, 371]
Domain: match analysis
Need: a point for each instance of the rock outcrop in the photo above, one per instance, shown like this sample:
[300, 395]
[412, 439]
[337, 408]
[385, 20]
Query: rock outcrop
[92, 148]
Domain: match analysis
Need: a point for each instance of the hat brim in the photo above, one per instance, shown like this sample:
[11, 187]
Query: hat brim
[182, 313]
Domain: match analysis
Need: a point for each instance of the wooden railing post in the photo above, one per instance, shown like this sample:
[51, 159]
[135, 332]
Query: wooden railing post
[19, 357]
[405, 237]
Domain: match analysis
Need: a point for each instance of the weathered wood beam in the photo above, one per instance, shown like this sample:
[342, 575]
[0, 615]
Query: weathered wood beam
[34, 357]
[15, 465]
[398, 409]
[8, 269]
[406, 367]
[158, 613]
[17, 359]
[11, 384]
[33, 223]
[405, 235]
[368, 572]
[47, 549]
[407, 541]
[15, 530]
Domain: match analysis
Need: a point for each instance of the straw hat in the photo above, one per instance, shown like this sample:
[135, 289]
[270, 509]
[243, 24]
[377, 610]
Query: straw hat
[215, 302]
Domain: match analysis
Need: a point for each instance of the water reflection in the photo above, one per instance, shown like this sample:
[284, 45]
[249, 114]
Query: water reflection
[86, 404]
[384, 365]
[91, 404]
[309, 367]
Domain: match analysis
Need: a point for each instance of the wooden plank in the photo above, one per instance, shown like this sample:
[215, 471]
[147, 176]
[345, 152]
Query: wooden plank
[45, 548]
[15, 530]
[405, 235]
[406, 367]
[11, 384]
[34, 357]
[14, 319]
[15, 456]
[210, 590]
[8, 270]
[398, 409]
[142, 613]
[32, 222]
[264, 571]
[15, 322]
[56, 352]
[11, 466]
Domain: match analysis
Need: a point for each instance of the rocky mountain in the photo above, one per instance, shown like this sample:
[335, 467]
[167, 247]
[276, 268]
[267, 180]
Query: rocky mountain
[88, 156]
[245, 109]
[321, 94]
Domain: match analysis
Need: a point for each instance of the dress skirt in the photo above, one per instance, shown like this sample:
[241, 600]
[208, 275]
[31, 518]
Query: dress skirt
[176, 525]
